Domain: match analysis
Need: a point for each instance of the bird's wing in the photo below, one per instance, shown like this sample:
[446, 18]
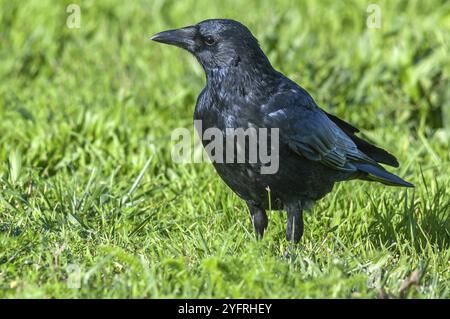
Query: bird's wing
[309, 132]
[317, 138]
[374, 152]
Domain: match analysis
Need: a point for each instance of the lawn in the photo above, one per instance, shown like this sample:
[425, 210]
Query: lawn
[92, 205]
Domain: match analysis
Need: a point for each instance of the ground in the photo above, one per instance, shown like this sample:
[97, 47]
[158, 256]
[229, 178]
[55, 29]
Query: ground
[92, 205]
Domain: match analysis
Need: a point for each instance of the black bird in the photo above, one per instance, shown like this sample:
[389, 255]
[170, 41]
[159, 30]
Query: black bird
[316, 149]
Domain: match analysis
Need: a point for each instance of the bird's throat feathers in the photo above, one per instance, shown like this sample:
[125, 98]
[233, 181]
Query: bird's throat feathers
[242, 80]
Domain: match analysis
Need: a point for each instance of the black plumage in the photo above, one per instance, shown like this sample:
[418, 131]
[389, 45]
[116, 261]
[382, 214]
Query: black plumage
[243, 90]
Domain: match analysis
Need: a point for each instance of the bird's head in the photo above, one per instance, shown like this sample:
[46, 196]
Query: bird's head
[217, 43]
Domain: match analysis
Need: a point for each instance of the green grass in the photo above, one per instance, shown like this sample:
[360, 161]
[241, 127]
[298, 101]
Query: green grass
[83, 110]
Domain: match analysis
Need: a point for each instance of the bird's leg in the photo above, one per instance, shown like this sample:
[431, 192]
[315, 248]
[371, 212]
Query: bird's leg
[294, 225]
[259, 219]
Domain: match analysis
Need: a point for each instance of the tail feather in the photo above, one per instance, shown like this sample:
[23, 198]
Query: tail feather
[379, 174]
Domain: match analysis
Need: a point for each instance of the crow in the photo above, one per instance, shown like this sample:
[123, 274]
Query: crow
[315, 149]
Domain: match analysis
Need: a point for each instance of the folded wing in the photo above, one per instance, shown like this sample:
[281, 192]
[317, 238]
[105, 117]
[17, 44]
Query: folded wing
[322, 137]
[374, 152]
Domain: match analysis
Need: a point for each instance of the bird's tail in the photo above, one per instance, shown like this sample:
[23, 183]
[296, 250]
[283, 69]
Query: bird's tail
[379, 174]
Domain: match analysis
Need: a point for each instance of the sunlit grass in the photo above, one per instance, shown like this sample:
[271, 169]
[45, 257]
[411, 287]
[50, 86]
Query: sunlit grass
[88, 186]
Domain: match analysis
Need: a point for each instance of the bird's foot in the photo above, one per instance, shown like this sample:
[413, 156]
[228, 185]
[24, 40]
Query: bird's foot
[294, 224]
[259, 219]
[291, 251]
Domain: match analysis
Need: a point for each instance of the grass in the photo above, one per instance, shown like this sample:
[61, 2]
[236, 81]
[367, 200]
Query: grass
[91, 198]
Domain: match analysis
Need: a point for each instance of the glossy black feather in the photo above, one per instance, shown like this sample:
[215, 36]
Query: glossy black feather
[378, 154]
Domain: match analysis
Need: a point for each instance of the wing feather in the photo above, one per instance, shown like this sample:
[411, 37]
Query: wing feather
[312, 134]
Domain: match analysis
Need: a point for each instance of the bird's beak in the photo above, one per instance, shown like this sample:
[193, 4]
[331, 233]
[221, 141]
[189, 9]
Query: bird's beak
[183, 38]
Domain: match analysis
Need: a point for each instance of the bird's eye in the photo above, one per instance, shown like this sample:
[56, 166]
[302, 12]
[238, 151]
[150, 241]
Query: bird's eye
[210, 41]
